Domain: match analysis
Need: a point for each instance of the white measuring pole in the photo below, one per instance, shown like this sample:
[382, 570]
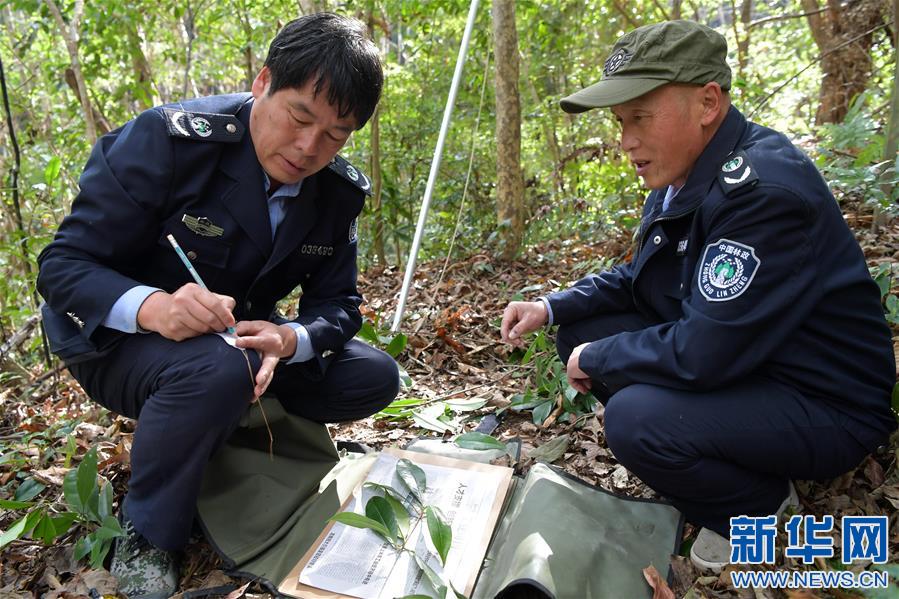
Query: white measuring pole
[435, 166]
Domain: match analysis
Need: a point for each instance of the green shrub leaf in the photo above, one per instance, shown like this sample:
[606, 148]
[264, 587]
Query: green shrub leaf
[7, 504]
[396, 345]
[479, 441]
[28, 490]
[45, 530]
[14, 532]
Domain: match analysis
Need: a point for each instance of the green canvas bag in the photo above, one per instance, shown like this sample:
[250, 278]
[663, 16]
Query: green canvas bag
[557, 536]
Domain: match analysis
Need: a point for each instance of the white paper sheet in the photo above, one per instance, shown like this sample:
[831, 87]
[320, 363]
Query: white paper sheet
[356, 562]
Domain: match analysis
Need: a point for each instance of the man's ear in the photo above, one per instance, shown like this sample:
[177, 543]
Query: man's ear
[261, 82]
[712, 103]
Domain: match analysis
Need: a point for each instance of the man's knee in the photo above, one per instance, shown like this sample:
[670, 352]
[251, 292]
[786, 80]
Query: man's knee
[381, 380]
[221, 385]
[635, 427]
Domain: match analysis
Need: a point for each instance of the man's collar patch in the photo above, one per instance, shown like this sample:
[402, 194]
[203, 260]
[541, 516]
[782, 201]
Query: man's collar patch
[350, 173]
[737, 174]
[203, 126]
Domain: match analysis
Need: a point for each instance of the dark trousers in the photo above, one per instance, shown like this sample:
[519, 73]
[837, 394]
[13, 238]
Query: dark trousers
[189, 396]
[720, 453]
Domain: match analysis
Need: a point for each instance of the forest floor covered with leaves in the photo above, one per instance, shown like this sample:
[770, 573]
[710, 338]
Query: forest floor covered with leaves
[458, 371]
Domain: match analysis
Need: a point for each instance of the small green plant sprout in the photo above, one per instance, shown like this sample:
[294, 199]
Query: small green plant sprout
[393, 515]
[89, 503]
[438, 415]
[549, 395]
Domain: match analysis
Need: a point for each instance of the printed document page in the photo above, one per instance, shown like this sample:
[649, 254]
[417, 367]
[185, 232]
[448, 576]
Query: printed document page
[356, 562]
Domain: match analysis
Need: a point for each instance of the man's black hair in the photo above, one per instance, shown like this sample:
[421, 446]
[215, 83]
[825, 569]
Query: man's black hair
[336, 53]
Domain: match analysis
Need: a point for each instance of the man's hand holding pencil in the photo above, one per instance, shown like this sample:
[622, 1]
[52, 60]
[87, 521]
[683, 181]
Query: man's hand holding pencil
[190, 311]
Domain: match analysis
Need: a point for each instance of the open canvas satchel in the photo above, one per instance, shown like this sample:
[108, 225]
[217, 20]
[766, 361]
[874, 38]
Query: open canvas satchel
[556, 537]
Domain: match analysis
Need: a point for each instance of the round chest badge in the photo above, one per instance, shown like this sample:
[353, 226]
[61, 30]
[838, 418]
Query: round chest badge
[352, 173]
[201, 126]
[732, 165]
[615, 62]
[727, 270]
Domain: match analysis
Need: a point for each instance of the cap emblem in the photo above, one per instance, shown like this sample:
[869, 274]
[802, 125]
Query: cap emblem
[617, 60]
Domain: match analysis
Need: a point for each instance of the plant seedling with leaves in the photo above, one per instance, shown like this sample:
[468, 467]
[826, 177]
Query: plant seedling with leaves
[392, 516]
[90, 503]
[550, 393]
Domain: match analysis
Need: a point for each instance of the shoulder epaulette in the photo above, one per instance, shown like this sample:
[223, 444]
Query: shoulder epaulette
[349, 172]
[203, 126]
[737, 174]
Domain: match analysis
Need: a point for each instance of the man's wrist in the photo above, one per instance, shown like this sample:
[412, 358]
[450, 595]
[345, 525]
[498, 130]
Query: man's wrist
[288, 340]
[148, 311]
[549, 311]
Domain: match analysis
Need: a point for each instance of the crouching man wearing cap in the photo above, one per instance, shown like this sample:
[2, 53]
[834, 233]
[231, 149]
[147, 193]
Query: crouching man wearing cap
[744, 345]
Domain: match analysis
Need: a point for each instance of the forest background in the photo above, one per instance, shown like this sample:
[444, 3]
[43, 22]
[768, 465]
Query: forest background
[521, 185]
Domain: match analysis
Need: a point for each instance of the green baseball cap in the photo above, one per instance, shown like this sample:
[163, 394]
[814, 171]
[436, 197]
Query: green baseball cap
[651, 56]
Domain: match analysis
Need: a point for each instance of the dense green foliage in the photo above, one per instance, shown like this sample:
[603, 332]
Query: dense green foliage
[137, 54]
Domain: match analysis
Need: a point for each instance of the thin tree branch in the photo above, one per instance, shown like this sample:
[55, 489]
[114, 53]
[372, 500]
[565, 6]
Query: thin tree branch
[662, 9]
[771, 19]
[23, 242]
[625, 14]
[811, 64]
[70, 37]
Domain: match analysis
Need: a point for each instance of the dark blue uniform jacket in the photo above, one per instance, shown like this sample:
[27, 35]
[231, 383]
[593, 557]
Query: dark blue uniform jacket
[751, 271]
[150, 178]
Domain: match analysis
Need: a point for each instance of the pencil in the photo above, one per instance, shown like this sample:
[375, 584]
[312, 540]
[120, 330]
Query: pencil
[190, 268]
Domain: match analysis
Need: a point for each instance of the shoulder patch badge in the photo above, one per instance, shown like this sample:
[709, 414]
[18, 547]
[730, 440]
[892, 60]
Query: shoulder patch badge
[727, 269]
[354, 228]
[737, 173]
[347, 171]
[203, 126]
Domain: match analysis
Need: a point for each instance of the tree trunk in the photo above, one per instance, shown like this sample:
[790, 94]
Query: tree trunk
[892, 141]
[249, 63]
[143, 74]
[845, 71]
[509, 180]
[745, 18]
[70, 37]
[549, 131]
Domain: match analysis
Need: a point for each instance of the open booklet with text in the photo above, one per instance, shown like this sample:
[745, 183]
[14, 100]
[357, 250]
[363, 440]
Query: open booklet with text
[352, 562]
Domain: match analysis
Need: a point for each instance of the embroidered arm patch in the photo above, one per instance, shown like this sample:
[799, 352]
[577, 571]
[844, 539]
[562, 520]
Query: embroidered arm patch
[727, 270]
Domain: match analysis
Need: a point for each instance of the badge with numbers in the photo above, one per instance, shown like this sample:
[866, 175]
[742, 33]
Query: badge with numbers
[727, 270]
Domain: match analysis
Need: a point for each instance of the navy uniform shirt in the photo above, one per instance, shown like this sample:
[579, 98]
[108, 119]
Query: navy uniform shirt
[191, 170]
[751, 271]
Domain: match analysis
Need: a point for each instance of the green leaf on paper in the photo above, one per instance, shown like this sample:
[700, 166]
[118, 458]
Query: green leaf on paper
[380, 510]
[360, 521]
[440, 531]
[413, 477]
[433, 577]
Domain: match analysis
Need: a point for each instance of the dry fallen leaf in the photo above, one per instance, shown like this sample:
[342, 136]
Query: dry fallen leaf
[238, 593]
[660, 588]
